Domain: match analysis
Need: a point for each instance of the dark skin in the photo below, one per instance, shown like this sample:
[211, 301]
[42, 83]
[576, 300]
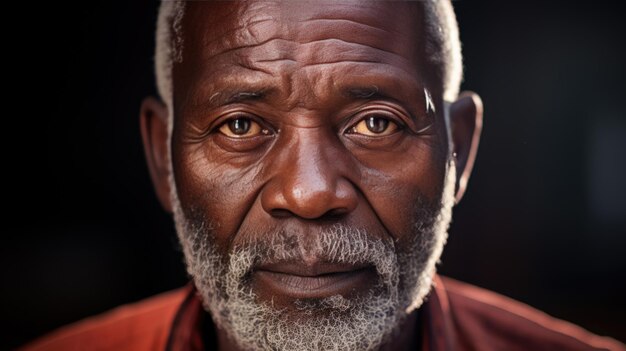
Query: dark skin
[317, 116]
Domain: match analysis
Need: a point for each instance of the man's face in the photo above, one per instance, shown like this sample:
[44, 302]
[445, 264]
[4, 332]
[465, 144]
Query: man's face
[312, 185]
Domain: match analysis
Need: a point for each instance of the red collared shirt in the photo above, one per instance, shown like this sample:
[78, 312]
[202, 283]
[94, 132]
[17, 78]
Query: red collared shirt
[456, 316]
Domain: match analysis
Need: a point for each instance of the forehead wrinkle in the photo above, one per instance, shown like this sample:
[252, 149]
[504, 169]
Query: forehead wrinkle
[352, 22]
[216, 14]
[318, 52]
[339, 48]
[279, 57]
[285, 47]
[209, 43]
[358, 12]
[261, 31]
[295, 55]
[261, 28]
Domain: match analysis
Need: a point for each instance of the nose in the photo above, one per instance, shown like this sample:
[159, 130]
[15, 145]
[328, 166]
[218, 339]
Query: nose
[311, 181]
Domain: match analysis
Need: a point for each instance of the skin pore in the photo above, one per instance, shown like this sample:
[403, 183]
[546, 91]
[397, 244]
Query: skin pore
[311, 159]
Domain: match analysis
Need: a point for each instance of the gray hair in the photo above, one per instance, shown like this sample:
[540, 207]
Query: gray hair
[168, 50]
[443, 47]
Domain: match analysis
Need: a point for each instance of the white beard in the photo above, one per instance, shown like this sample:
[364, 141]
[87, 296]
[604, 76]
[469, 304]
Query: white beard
[405, 272]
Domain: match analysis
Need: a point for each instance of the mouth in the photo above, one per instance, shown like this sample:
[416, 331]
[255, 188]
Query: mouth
[296, 280]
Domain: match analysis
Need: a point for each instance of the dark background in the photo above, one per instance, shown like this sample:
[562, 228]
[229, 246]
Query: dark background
[544, 220]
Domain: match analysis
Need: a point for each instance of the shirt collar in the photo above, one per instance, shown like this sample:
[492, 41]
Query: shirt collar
[437, 323]
[186, 331]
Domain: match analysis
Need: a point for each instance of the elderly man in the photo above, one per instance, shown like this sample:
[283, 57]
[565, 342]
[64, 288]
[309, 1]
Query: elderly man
[311, 153]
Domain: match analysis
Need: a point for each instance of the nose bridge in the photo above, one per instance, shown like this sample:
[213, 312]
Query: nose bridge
[311, 180]
[313, 175]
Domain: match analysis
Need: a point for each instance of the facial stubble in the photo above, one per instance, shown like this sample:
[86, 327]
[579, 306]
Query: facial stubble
[405, 269]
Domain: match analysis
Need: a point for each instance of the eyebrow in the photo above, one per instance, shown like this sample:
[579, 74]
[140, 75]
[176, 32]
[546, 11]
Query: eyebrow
[226, 97]
[244, 96]
[373, 92]
[370, 92]
[236, 95]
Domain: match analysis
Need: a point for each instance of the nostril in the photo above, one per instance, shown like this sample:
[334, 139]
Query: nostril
[280, 213]
[335, 213]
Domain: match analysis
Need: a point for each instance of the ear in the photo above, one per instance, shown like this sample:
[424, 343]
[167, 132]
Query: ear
[466, 120]
[153, 119]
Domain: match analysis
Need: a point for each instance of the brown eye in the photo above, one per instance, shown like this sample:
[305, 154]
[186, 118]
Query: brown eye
[241, 127]
[375, 125]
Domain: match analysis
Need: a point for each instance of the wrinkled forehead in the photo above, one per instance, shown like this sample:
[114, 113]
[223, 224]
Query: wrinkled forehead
[211, 27]
[285, 36]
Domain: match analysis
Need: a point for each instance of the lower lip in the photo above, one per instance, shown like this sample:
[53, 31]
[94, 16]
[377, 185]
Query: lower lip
[272, 285]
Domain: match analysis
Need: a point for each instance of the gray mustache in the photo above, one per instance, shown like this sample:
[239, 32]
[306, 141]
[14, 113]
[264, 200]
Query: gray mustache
[337, 244]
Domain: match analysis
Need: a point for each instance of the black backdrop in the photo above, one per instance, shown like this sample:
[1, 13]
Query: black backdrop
[544, 220]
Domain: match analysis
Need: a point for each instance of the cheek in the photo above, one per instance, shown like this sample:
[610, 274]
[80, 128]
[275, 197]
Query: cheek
[215, 191]
[395, 184]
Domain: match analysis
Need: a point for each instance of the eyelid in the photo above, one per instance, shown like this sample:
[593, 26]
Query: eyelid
[392, 116]
[240, 144]
[228, 116]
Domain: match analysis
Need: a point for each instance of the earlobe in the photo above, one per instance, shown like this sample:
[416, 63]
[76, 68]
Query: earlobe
[153, 117]
[466, 119]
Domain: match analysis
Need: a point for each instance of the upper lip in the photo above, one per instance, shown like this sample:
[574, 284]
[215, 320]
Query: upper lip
[314, 269]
